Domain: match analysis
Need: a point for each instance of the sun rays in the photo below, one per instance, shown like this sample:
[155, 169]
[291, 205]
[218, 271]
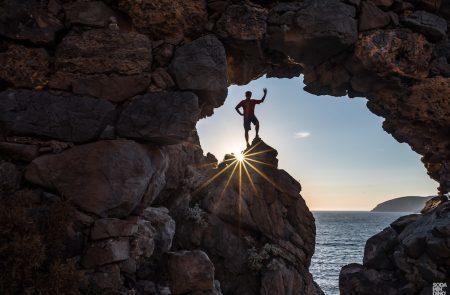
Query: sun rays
[242, 165]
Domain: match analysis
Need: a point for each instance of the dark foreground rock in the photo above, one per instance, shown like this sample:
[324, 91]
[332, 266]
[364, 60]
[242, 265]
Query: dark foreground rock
[108, 178]
[406, 258]
[41, 114]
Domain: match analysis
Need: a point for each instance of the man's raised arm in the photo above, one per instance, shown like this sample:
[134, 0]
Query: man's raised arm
[264, 96]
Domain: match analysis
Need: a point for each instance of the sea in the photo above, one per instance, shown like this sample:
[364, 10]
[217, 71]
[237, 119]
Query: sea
[340, 240]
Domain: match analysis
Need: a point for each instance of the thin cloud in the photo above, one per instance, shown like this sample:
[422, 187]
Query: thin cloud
[302, 134]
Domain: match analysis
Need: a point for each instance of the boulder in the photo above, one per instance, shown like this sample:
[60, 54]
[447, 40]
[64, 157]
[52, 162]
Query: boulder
[164, 226]
[382, 3]
[372, 17]
[244, 22]
[107, 178]
[10, 176]
[321, 29]
[200, 66]
[100, 51]
[112, 228]
[113, 87]
[163, 19]
[17, 151]
[282, 279]
[433, 203]
[376, 251]
[431, 25]
[143, 242]
[190, 271]
[24, 67]
[105, 252]
[106, 277]
[92, 13]
[41, 114]
[164, 118]
[419, 253]
[28, 21]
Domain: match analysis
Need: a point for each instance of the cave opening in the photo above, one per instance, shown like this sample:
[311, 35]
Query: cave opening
[338, 151]
[334, 146]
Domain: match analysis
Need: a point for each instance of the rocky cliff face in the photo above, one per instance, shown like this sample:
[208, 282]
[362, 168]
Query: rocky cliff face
[405, 258]
[99, 101]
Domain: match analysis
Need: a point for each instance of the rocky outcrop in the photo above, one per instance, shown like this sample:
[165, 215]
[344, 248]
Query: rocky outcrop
[251, 220]
[146, 117]
[407, 257]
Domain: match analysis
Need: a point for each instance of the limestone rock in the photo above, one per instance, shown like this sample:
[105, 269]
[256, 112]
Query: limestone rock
[112, 228]
[190, 271]
[41, 114]
[200, 66]
[380, 52]
[164, 226]
[104, 51]
[163, 19]
[107, 178]
[106, 252]
[24, 67]
[28, 21]
[165, 118]
[431, 25]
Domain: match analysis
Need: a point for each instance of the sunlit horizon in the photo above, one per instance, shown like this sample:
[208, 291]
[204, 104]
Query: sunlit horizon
[335, 147]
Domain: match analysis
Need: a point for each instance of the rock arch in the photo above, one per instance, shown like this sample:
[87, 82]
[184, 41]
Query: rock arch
[124, 78]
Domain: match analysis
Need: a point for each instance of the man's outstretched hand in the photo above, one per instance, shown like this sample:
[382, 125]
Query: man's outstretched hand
[265, 90]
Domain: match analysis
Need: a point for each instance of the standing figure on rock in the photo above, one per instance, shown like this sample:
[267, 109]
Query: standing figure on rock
[249, 112]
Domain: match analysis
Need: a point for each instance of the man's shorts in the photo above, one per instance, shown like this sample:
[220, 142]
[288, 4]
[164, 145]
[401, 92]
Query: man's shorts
[248, 120]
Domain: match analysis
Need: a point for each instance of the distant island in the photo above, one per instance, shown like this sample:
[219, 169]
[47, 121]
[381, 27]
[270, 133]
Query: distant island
[402, 204]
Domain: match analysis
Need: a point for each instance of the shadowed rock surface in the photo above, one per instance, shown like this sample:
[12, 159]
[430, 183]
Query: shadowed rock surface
[253, 223]
[147, 70]
[405, 258]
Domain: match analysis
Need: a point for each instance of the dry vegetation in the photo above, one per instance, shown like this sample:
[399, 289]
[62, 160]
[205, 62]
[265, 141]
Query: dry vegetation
[32, 248]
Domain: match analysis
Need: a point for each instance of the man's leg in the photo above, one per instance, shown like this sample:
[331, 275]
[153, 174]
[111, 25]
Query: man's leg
[246, 128]
[256, 122]
[246, 137]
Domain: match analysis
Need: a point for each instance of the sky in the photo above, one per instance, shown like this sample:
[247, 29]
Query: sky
[334, 146]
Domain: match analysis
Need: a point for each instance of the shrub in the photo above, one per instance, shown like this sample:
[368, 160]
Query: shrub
[196, 214]
[31, 249]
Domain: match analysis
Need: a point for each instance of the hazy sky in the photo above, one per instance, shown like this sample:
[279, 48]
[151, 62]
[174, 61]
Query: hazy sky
[334, 146]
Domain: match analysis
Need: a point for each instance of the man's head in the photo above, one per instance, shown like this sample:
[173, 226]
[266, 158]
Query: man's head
[248, 94]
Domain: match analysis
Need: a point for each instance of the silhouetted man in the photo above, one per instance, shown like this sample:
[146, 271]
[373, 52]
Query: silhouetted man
[249, 112]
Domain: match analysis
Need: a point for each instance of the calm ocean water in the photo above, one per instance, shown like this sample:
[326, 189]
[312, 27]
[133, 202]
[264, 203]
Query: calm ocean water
[340, 240]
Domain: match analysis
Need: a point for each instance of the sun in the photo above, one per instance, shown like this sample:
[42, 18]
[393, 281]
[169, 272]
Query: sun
[239, 156]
